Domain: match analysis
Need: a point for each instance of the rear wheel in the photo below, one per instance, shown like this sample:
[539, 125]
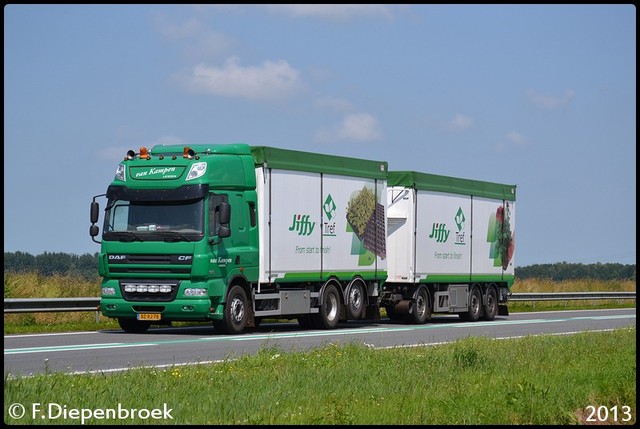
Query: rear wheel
[474, 309]
[356, 298]
[392, 314]
[491, 304]
[305, 321]
[329, 314]
[234, 319]
[133, 326]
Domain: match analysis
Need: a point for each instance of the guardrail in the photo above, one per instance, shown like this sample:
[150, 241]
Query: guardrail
[38, 305]
[570, 296]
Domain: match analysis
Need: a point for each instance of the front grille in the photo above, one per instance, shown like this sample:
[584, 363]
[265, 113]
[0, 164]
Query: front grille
[150, 264]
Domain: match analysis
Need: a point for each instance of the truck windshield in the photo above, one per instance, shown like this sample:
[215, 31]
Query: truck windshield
[154, 220]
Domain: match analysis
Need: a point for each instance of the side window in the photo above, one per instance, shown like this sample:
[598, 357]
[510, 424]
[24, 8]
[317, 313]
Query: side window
[252, 213]
[214, 212]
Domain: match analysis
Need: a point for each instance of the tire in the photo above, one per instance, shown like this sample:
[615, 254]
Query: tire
[356, 300]
[257, 321]
[235, 315]
[491, 304]
[329, 314]
[305, 321]
[133, 326]
[474, 309]
[391, 313]
[420, 308]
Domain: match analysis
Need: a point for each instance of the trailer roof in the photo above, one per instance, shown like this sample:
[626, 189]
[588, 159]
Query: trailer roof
[287, 159]
[454, 185]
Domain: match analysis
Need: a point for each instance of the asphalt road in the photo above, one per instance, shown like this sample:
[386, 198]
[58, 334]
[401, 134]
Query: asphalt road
[114, 350]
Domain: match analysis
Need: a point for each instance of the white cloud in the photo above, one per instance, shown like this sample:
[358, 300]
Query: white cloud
[270, 80]
[358, 127]
[517, 138]
[460, 122]
[546, 101]
[338, 12]
[514, 138]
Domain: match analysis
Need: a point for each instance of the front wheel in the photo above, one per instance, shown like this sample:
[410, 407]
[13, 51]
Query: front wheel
[234, 319]
[133, 326]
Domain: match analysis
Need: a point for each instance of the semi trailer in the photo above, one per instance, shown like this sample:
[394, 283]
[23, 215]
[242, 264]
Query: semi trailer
[232, 234]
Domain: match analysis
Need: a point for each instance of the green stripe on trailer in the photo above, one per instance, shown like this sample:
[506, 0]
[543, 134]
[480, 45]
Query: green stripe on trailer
[453, 185]
[466, 278]
[340, 275]
[286, 159]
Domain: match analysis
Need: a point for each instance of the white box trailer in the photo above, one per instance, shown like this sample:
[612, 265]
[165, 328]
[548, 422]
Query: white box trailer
[450, 246]
[322, 227]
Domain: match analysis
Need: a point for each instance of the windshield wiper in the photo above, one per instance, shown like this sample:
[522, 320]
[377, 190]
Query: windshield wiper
[126, 236]
[172, 236]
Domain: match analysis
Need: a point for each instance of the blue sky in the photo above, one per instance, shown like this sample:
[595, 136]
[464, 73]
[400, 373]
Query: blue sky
[541, 96]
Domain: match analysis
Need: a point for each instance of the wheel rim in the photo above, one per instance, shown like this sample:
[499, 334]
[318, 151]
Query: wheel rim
[331, 307]
[237, 310]
[491, 302]
[475, 302]
[355, 299]
[420, 305]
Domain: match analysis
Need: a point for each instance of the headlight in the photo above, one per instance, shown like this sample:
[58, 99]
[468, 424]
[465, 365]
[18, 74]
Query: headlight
[108, 291]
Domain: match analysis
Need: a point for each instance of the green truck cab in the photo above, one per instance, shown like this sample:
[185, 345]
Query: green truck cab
[167, 250]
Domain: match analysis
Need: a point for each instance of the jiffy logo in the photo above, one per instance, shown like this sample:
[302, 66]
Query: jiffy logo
[302, 225]
[439, 233]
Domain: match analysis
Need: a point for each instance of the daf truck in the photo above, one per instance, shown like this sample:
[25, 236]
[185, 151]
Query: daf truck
[232, 234]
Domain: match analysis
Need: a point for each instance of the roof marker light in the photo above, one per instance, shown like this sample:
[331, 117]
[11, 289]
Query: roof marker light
[188, 152]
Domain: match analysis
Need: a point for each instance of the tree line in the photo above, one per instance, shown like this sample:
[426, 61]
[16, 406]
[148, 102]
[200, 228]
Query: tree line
[52, 263]
[86, 266]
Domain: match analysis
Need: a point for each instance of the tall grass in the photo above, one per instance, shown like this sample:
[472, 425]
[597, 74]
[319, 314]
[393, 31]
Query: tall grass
[533, 380]
[33, 285]
[584, 285]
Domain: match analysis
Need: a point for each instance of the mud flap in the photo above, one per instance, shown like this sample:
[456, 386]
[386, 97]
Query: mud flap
[503, 310]
[373, 312]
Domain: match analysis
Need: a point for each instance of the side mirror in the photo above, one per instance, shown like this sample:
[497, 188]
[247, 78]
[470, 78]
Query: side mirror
[224, 231]
[94, 230]
[95, 211]
[225, 213]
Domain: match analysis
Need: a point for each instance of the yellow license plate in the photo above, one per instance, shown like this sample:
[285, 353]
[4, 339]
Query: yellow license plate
[149, 316]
